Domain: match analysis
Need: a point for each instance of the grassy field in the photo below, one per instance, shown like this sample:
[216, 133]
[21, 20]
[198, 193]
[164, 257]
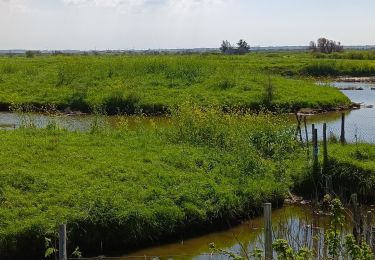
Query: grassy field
[128, 186]
[122, 187]
[155, 84]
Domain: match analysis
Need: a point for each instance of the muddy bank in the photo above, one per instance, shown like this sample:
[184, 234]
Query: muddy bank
[356, 79]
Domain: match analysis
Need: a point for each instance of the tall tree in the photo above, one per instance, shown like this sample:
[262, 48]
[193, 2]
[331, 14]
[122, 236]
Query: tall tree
[243, 47]
[225, 46]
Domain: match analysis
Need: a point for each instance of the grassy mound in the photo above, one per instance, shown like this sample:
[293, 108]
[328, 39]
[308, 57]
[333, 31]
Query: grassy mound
[118, 188]
[353, 169]
[155, 84]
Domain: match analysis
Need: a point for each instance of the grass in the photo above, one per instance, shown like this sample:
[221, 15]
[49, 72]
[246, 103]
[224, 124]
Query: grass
[119, 188]
[349, 55]
[157, 84]
[353, 169]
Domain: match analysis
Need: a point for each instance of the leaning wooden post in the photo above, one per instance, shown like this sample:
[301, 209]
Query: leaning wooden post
[62, 242]
[268, 231]
[342, 137]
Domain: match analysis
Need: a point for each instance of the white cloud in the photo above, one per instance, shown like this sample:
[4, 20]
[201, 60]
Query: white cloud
[15, 6]
[142, 4]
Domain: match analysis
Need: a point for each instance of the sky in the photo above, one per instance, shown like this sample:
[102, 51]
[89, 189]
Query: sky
[155, 24]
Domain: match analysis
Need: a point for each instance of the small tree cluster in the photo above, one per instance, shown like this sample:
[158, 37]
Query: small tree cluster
[31, 54]
[324, 45]
[241, 47]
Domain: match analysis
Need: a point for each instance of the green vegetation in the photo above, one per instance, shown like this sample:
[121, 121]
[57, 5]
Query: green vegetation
[335, 244]
[334, 68]
[128, 186]
[349, 55]
[353, 169]
[157, 84]
[123, 187]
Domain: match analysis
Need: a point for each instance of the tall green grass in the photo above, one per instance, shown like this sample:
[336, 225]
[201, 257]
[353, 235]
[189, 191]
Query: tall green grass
[121, 188]
[157, 84]
[352, 167]
[333, 68]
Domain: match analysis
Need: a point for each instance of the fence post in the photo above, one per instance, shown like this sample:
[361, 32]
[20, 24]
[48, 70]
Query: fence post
[306, 133]
[342, 137]
[368, 231]
[356, 218]
[268, 231]
[315, 166]
[315, 147]
[62, 242]
[325, 148]
[325, 158]
[312, 130]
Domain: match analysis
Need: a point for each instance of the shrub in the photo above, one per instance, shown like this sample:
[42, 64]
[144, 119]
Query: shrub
[118, 103]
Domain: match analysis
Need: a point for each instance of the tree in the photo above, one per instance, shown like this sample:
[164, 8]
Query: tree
[29, 54]
[226, 47]
[312, 46]
[325, 45]
[243, 47]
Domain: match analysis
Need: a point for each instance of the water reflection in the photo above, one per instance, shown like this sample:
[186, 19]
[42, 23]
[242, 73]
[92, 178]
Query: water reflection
[360, 124]
[295, 223]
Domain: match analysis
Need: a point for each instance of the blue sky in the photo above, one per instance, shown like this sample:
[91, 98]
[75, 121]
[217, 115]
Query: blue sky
[143, 24]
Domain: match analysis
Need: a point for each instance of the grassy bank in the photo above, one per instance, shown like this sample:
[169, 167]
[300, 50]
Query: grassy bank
[350, 169]
[120, 188]
[155, 84]
[353, 169]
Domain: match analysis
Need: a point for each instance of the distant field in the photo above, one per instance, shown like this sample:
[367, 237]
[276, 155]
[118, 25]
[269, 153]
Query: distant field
[154, 84]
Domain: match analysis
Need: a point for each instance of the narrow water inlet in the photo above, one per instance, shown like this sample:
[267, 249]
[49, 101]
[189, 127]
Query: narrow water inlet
[296, 223]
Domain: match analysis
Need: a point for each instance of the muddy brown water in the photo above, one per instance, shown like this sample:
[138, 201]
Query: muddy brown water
[296, 223]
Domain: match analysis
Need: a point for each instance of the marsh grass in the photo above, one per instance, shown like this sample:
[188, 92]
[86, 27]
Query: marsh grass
[156, 84]
[119, 187]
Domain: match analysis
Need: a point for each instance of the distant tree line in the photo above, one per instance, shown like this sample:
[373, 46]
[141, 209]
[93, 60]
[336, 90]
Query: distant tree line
[241, 47]
[325, 45]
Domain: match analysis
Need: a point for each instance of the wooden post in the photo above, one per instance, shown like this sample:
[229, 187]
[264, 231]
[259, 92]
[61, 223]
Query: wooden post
[312, 129]
[325, 149]
[268, 231]
[368, 231]
[315, 146]
[299, 130]
[306, 133]
[356, 218]
[62, 242]
[342, 137]
[315, 167]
